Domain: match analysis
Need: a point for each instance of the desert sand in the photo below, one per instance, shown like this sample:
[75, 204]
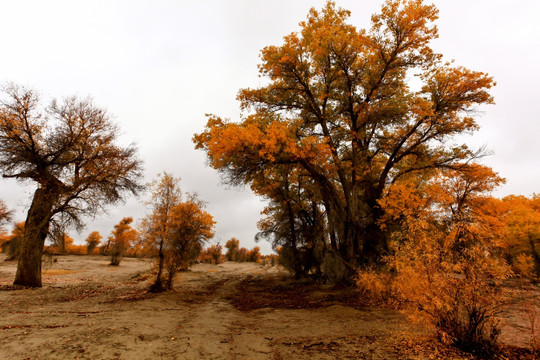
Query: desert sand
[90, 310]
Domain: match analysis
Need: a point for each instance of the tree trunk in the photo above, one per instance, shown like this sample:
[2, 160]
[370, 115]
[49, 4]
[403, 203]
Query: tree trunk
[536, 258]
[375, 244]
[36, 229]
[170, 278]
[293, 239]
[158, 284]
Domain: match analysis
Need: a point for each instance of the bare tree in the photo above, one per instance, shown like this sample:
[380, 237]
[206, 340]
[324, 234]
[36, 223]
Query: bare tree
[70, 150]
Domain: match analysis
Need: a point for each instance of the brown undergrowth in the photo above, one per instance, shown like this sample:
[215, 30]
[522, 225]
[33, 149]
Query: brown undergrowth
[283, 292]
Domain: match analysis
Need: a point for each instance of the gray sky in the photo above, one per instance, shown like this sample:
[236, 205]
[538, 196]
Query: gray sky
[159, 66]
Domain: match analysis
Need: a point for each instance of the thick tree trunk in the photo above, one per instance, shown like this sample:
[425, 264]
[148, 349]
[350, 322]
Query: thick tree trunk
[374, 242]
[375, 246]
[36, 229]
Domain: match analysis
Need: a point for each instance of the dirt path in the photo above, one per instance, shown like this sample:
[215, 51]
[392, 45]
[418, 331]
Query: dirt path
[88, 310]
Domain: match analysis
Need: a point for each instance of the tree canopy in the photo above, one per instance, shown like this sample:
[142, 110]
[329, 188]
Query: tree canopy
[340, 111]
[71, 150]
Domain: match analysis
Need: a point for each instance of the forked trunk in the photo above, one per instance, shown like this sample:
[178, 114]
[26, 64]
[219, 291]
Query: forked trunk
[36, 229]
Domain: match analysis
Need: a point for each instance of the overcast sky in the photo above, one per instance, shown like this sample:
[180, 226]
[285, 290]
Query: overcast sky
[159, 66]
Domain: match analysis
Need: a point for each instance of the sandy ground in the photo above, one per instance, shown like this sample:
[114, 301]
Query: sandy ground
[89, 310]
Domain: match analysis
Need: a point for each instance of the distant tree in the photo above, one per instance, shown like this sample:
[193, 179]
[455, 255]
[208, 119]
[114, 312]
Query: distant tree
[12, 247]
[522, 238]
[232, 245]
[242, 254]
[92, 241]
[191, 227]
[60, 240]
[211, 254]
[5, 214]
[156, 227]
[215, 252]
[4, 241]
[254, 255]
[120, 239]
[70, 150]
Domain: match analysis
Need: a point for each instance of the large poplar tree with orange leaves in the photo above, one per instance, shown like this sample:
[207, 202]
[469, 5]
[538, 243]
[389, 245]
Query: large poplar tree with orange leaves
[339, 108]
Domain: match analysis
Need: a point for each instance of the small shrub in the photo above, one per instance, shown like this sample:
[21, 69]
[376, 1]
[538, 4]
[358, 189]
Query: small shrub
[524, 266]
[375, 287]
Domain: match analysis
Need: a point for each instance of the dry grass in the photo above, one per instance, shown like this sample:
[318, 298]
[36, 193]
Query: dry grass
[59, 272]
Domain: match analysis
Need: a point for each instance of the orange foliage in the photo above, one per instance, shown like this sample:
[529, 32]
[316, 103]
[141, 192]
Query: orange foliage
[122, 237]
[338, 115]
[522, 239]
[11, 243]
[5, 214]
[445, 263]
[232, 245]
[62, 243]
[212, 255]
[92, 242]
[254, 255]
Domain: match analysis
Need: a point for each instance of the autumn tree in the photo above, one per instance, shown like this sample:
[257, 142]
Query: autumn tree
[5, 213]
[232, 245]
[92, 241]
[339, 108]
[215, 252]
[254, 255]
[156, 227]
[443, 263]
[191, 227]
[12, 246]
[522, 238]
[242, 254]
[120, 239]
[59, 239]
[5, 216]
[70, 150]
[293, 220]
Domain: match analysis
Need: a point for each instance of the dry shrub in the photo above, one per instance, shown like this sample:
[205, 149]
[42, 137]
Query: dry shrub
[444, 254]
[376, 287]
[534, 321]
[459, 291]
[524, 266]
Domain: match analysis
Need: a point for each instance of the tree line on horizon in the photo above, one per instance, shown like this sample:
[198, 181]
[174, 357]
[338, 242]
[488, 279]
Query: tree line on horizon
[126, 240]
